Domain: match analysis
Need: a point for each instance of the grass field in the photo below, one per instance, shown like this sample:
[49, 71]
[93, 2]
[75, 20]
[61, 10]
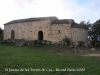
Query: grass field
[45, 60]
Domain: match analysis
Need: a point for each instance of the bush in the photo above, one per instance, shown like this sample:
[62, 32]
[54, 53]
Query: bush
[35, 41]
[8, 41]
[66, 39]
[3, 42]
[81, 43]
[1, 34]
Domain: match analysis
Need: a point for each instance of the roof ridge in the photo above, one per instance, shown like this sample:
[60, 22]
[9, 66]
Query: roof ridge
[31, 19]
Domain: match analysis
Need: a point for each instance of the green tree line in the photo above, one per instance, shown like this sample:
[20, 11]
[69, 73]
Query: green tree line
[1, 34]
[93, 29]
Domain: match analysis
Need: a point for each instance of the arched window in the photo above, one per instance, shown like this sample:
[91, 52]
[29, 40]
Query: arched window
[40, 35]
[12, 34]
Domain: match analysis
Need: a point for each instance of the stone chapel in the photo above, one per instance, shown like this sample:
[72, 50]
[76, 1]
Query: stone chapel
[45, 28]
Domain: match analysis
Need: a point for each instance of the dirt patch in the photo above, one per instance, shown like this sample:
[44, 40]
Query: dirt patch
[98, 55]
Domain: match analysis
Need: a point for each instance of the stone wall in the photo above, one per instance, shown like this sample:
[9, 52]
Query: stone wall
[27, 30]
[79, 34]
[51, 32]
[59, 32]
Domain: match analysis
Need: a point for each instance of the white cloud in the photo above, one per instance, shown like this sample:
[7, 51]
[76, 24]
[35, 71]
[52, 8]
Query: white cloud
[83, 10]
[79, 10]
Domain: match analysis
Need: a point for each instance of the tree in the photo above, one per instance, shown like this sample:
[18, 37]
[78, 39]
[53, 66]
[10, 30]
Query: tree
[1, 34]
[96, 29]
[88, 24]
[82, 23]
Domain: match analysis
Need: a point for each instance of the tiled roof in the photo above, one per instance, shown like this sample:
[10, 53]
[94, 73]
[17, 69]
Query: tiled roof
[54, 20]
[30, 20]
[63, 21]
[75, 25]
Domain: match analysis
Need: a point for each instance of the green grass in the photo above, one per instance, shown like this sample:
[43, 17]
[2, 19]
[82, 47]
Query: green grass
[47, 57]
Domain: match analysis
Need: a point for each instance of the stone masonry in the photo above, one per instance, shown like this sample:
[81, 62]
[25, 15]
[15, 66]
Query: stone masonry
[45, 28]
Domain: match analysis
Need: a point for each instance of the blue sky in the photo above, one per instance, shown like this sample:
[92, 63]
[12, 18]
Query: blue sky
[79, 10]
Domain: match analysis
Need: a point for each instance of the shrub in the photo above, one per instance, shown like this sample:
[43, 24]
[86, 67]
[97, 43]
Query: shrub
[81, 43]
[66, 39]
[1, 34]
[35, 41]
[3, 42]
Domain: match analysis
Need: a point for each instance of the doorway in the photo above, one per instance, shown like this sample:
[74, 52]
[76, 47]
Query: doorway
[40, 35]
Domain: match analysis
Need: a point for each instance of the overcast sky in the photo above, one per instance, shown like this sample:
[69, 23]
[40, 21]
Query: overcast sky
[79, 10]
